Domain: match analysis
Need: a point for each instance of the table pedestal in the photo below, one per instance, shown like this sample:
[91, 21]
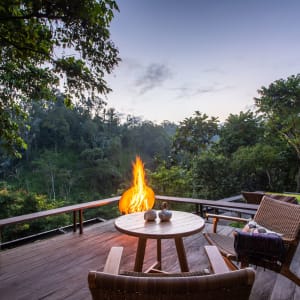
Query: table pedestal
[141, 249]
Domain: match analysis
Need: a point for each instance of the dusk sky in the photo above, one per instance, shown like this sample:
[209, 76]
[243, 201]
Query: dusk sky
[211, 56]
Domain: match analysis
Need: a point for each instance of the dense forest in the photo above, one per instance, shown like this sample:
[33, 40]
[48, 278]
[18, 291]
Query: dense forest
[61, 144]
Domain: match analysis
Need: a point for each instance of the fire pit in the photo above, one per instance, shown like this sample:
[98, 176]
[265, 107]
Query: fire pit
[139, 197]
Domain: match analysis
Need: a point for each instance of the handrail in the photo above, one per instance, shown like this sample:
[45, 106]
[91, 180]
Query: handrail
[56, 211]
[226, 203]
[213, 203]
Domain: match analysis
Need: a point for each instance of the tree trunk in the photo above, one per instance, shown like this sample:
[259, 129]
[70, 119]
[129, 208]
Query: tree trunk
[269, 179]
[298, 179]
[53, 185]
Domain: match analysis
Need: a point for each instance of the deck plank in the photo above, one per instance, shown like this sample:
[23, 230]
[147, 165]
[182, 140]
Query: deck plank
[57, 268]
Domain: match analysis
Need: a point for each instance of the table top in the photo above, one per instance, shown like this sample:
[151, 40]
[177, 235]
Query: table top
[181, 224]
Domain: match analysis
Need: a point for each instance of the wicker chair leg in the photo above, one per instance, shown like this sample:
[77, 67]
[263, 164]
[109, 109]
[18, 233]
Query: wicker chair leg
[285, 271]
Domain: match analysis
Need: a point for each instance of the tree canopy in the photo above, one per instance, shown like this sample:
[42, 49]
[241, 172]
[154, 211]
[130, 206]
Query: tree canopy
[280, 105]
[59, 44]
[244, 129]
[193, 136]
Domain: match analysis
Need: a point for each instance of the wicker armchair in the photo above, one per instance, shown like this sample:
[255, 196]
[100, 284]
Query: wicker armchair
[278, 216]
[253, 197]
[256, 197]
[110, 284]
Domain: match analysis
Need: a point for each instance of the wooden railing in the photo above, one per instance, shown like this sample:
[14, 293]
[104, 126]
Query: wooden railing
[76, 208]
[228, 204]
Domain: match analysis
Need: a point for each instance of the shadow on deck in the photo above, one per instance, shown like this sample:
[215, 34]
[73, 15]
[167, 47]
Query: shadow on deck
[57, 268]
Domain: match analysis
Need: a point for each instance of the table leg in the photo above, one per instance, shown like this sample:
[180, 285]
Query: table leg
[140, 254]
[181, 255]
[158, 252]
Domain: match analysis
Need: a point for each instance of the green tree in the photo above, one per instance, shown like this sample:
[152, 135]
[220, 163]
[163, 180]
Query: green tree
[193, 136]
[239, 130]
[148, 139]
[98, 173]
[280, 105]
[53, 173]
[173, 181]
[258, 167]
[54, 128]
[19, 202]
[212, 176]
[48, 44]
[47, 169]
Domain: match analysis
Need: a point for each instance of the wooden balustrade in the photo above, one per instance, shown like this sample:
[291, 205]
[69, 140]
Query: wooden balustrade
[227, 204]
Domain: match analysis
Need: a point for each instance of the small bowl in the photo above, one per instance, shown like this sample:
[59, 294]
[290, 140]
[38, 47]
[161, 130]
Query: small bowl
[150, 215]
[165, 215]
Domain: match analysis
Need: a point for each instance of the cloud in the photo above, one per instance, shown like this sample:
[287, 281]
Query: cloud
[154, 75]
[214, 70]
[186, 92]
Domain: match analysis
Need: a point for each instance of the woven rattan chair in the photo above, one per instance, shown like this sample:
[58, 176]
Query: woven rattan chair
[110, 284]
[275, 215]
[256, 197]
[253, 197]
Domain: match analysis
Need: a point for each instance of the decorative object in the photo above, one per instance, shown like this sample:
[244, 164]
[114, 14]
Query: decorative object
[165, 214]
[150, 215]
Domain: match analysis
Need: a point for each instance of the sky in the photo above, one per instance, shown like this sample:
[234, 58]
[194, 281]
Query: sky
[211, 56]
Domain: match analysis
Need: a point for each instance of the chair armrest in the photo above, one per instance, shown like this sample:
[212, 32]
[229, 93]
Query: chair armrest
[223, 217]
[112, 265]
[237, 219]
[216, 260]
[294, 242]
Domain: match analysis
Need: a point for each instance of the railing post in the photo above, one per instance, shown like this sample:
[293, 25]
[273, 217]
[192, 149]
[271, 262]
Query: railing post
[80, 221]
[201, 210]
[0, 238]
[197, 209]
[74, 221]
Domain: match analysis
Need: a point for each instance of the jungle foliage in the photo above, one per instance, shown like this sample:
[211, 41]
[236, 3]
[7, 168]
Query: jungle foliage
[46, 45]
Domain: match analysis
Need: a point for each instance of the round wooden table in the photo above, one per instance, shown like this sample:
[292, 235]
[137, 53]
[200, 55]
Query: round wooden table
[181, 224]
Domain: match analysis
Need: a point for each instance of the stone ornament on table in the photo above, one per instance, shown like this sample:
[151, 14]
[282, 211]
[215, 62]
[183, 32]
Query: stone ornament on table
[165, 214]
[150, 215]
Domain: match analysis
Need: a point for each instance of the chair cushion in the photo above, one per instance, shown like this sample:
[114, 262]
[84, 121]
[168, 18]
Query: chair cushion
[253, 227]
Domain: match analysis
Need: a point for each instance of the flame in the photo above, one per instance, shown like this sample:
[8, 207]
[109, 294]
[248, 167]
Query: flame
[139, 197]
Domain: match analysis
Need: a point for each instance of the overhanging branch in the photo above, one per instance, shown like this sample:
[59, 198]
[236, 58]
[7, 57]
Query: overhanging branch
[22, 48]
[31, 16]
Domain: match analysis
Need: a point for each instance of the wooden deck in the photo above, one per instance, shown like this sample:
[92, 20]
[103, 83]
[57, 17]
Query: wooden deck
[57, 268]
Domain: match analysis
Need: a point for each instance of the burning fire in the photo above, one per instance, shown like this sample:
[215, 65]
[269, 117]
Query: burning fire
[139, 197]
